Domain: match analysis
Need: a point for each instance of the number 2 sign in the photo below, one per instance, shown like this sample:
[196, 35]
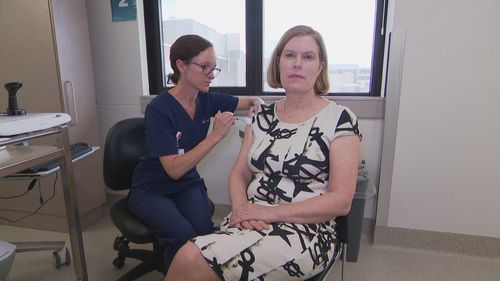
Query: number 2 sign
[123, 10]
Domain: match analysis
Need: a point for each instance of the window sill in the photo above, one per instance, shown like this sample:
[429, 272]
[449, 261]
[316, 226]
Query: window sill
[363, 107]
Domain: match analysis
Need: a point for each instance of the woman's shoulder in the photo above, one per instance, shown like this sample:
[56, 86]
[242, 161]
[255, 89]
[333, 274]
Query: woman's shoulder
[161, 105]
[217, 98]
[266, 110]
[346, 121]
[160, 99]
[339, 110]
[265, 106]
[265, 116]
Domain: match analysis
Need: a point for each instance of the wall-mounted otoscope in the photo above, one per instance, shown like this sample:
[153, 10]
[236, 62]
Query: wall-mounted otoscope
[12, 88]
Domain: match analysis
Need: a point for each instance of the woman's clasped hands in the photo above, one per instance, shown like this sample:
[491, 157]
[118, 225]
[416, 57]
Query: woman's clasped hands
[249, 216]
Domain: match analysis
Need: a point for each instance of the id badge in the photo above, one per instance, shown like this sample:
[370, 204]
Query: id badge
[178, 136]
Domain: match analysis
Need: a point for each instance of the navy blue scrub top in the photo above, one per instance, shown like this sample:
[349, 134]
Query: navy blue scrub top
[165, 118]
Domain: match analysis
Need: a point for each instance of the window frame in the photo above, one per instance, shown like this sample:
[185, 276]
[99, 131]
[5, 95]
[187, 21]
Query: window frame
[254, 43]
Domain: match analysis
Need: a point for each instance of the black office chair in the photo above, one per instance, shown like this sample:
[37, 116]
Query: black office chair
[341, 250]
[125, 144]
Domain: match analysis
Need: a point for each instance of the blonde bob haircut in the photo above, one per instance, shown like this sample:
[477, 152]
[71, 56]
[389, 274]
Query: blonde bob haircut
[273, 73]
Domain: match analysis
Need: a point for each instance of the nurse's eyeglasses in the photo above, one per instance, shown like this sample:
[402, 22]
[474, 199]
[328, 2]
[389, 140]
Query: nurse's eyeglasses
[208, 69]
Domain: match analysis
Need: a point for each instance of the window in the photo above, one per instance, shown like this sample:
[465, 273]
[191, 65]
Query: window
[225, 31]
[245, 32]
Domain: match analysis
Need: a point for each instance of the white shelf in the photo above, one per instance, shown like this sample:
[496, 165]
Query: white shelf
[48, 172]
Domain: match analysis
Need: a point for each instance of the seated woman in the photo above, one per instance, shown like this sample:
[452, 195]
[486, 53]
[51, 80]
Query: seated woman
[295, 173]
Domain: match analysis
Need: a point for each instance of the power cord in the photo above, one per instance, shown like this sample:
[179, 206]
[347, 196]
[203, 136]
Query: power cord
[40, 193]
[42, 201]
[30, 187]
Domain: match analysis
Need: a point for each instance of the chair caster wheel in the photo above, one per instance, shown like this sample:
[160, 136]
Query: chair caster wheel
[61, 257]
[118, 262]
[120, 244]
[116, 243]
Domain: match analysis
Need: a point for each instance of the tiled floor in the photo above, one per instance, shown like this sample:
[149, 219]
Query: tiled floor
[375, 262]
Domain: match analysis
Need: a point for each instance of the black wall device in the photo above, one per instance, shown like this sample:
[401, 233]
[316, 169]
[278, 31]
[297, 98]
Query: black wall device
[12, 88]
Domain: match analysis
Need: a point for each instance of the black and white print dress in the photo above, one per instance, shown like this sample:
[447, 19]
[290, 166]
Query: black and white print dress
[290, 164]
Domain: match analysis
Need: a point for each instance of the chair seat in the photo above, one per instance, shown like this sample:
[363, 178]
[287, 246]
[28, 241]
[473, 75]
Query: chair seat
[129, 225]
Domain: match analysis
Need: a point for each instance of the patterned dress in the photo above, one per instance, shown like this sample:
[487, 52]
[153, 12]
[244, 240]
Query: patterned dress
[290, 163]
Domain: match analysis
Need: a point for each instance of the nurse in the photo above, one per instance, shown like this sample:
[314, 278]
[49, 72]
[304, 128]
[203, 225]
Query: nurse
[167, 192]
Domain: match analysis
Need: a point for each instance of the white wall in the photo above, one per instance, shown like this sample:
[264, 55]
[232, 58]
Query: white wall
[119, 70]
[447, 151]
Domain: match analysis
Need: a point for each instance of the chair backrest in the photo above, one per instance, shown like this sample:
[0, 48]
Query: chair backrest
[125, 144]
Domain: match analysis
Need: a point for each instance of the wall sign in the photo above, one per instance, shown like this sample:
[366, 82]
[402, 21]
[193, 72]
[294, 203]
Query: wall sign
[123, 10]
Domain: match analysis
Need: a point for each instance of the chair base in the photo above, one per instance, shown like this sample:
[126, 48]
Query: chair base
[151, 260]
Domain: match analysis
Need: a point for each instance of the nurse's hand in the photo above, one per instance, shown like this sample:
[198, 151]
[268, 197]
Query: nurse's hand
[222, 124]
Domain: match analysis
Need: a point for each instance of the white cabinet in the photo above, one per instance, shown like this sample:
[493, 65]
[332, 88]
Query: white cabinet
[45, 44]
